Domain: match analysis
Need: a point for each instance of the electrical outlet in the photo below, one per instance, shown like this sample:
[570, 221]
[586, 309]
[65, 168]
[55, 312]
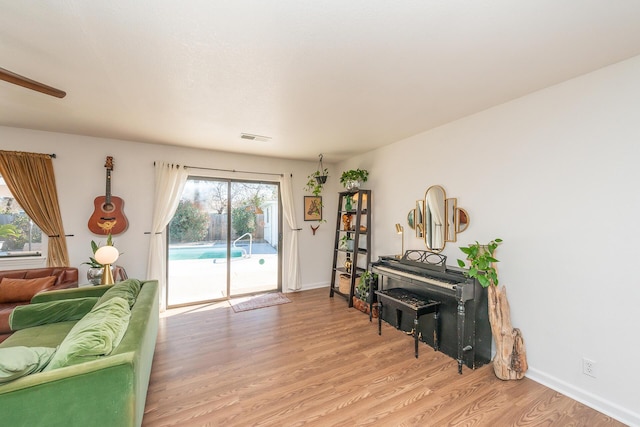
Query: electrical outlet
[589, 367]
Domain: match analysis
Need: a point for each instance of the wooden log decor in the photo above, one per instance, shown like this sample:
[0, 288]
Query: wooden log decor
[510, 361]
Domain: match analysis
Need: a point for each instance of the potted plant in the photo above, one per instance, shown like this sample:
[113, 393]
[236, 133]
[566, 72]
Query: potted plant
[362, 293]
[317, 179]
[94, 273]
[364, 283]
[510, 361]
[354, 178]
[346, 243]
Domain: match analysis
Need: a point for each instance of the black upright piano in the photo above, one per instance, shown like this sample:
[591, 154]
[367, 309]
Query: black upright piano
[464, 330]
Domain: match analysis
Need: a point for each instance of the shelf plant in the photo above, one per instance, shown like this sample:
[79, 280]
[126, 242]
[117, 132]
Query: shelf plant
[346, 243]
[510, 361]
[353, 178]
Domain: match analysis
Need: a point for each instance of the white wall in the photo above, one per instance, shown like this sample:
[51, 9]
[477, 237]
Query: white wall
[80, 177]
[554, 174]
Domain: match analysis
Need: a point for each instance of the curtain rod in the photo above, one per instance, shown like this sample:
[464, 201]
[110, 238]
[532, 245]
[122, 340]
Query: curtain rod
[227, 170]
[232, 170]
[53, 156]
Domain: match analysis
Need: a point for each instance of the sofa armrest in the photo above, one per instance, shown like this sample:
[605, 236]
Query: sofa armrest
[82, 292]
[70, 393]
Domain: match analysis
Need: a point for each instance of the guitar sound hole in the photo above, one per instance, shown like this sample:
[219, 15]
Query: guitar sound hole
[108, 207]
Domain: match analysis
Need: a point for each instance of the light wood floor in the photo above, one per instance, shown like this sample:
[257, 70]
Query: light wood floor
[316, 362]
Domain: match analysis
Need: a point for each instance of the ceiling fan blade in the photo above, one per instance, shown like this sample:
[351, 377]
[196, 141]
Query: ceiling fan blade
[17, 79]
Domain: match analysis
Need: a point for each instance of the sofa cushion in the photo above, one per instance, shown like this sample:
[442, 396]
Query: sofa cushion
[19, 290]
[95, 335]
[27, 316]
[16, 362]
[128, 289]
[14, 274]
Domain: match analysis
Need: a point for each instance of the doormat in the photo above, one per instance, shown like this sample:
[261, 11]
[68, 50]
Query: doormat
[258, 301]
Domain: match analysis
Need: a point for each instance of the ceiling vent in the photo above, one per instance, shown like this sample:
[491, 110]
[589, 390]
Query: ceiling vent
[252, 137]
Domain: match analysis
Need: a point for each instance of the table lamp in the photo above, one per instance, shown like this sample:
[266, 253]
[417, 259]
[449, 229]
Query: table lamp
[400, 230]
[107, 255]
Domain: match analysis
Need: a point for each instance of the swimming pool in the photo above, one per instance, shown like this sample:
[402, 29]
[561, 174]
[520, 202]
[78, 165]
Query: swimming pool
[203, 252]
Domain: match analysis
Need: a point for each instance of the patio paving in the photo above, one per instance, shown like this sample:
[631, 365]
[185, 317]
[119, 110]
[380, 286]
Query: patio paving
[205, 279]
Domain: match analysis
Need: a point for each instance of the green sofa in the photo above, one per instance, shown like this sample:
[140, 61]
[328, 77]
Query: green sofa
[105, 391]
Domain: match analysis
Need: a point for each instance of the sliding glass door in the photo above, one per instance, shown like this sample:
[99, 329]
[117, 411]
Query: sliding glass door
[223, 241]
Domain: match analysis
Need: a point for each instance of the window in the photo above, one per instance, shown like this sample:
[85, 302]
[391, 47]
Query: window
[19, 235]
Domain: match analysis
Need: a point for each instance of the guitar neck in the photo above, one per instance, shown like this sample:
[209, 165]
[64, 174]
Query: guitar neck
[108, 189]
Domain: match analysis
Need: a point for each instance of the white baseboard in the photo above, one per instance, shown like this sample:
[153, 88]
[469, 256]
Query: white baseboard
[601, 405]
[308, 286]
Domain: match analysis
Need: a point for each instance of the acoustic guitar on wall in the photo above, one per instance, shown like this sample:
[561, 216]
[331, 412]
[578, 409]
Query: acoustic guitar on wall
[108, 215]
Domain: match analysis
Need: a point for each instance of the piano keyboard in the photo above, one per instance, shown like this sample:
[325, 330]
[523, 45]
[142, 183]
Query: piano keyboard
[430, 280]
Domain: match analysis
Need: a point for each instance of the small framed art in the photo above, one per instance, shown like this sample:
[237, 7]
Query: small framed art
[313, 208]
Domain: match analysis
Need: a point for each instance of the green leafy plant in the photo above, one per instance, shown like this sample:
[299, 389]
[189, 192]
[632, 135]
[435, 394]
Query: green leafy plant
[189, 224]
[9, 230]
[343, 242]
[354, 175]
[481, 260]
[316, 181]
[243, 219]
[94, 247]
[363, 286]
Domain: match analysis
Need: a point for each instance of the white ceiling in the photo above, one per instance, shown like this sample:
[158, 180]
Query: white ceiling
[334, 77]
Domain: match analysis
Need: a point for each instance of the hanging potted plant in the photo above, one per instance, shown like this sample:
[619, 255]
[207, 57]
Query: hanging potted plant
[315, 182]
[317, 179]
[353, 179]
[510, 361]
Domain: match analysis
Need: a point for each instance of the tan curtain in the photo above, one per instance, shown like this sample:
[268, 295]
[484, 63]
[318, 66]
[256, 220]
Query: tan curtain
[31, 180]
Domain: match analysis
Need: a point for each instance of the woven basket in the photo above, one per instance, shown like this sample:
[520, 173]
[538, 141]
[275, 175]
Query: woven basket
[344, 283]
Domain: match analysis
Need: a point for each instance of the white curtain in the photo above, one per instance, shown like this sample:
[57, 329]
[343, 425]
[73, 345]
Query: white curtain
[291, 274]
[169, 183]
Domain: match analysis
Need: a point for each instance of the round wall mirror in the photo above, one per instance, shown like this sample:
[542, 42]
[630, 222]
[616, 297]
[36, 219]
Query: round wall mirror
[411, 218]
[462, 220]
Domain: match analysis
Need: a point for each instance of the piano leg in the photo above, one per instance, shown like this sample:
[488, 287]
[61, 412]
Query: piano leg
[379, 317]
[415, 334]
[460, 325]
[436, 329]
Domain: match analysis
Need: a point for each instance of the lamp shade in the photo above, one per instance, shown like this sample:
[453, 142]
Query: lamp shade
[107, 255]
[363, 203]
[399, 229]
